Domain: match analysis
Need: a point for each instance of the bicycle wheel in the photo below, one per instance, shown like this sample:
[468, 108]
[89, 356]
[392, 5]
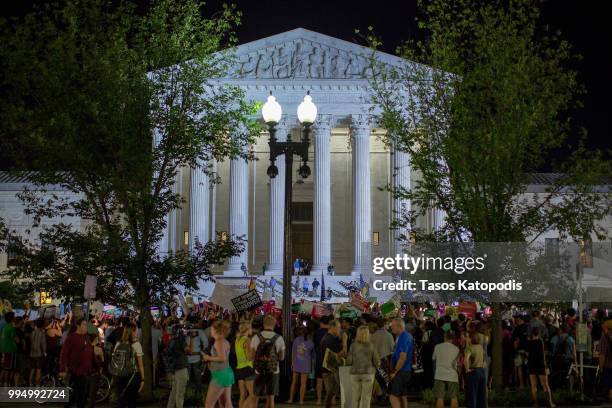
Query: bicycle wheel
[104, 388]
[47, 381]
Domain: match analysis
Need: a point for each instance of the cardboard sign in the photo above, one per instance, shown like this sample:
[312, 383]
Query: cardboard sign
[90, 287]
[247, 301]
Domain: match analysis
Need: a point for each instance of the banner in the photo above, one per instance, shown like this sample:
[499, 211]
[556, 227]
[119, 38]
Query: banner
[468, 309]
[247, 301]
[321, 309]
[222, 296]
[359, 302]
[90, 287]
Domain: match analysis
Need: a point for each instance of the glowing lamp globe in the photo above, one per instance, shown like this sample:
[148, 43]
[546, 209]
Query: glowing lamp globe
[271, 110]
[307, 111]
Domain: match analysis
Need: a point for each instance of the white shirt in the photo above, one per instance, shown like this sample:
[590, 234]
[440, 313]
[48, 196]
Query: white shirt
[445, 355]
[279, 344]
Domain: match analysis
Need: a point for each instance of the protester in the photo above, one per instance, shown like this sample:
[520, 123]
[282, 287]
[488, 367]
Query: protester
[537, 367]
[197, 344]
[8, 348]
[332, 342]
[267, 349]
[301, 362]
[128, 363]
[476, 381]
[382, 340]
[77, 362]
[401, 363]
[222, 376]
[317, 338]
[446, 378]
[38, 352]
[363, 359]
[176, 365]
[244, 366]
[605, 358]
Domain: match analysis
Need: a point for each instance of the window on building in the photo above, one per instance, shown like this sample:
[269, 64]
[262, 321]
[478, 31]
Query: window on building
[302, 212]
[376, 238]
[11, 251]
[223, 235]
[185, 237]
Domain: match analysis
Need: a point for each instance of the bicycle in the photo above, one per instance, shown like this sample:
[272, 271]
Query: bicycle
[105, 384]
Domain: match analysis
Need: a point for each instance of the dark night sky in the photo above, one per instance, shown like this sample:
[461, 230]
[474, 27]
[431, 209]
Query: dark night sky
[585, 23]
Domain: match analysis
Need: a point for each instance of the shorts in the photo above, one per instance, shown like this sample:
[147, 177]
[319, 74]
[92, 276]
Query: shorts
[245, 374]
[445, 388]
[222, 378]
[37, 363]
[332, 383]
[266, 385]
[399, 385]
[9, 361]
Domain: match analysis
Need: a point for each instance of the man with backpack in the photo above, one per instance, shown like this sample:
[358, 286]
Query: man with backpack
[267, 349]
[198, 343]
[177, 366]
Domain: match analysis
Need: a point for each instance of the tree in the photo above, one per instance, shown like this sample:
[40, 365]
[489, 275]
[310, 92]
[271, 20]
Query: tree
[110, 103]
[478, 106]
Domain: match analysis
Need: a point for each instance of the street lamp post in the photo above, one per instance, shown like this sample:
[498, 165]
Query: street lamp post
[307, 113]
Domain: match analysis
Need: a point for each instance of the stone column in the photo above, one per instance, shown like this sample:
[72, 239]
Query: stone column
[361, 127]
[277, 206]
[175, 240]
[199, 206]
[400, 171]
[322, 193]
[239, 212]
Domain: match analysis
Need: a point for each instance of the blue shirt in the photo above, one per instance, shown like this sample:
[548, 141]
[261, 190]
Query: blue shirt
[403, 344]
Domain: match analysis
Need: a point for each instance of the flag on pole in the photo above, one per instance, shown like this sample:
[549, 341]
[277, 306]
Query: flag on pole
[322, 287]
[252, 284]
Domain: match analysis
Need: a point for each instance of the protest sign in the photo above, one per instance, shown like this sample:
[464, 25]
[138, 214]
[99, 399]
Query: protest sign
[247, 301]
[452, 312]
[222, 295]
[90, 287]
[359, 302]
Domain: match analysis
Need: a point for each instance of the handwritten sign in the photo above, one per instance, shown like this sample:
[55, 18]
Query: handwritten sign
[247, 301]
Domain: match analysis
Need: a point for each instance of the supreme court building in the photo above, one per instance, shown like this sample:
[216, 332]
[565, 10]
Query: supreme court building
[340, 214]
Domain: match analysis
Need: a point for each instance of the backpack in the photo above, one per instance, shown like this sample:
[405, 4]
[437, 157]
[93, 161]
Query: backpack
[173, 353]
[266, 357]
[122, 362]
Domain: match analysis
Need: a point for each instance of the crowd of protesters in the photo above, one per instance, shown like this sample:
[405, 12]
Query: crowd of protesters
[220, 358]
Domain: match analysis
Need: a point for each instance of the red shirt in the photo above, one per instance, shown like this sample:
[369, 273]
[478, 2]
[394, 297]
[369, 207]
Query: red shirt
[77, 355]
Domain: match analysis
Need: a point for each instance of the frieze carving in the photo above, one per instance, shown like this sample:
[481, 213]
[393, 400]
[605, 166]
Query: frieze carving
[301, 59]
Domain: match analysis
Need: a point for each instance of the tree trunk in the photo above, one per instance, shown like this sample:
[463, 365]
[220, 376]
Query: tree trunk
[146, 323]
[497, 347]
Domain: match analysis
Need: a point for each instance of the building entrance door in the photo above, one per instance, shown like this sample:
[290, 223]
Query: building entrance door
[302, 231]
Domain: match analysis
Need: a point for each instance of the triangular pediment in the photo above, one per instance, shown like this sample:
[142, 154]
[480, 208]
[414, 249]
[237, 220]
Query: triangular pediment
[305, 54]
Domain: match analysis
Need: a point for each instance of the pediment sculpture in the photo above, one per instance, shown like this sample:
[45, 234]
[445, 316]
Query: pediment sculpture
[301, 59]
